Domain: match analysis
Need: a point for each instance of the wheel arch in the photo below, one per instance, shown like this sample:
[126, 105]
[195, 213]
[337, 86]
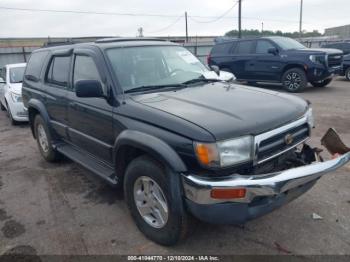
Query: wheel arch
[131, 144]
[290, 66]
[37, 107]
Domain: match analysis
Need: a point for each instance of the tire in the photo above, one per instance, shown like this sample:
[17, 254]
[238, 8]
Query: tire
[9, 114]
[2, 107]
[144, 171]
[347, 74]
[322, 83]
[294, 80]
[44, 140]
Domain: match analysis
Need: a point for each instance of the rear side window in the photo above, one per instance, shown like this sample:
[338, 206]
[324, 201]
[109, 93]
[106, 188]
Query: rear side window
[59, 71]
[35, 65]
[222, 48]
[3, 73]
[244, 47]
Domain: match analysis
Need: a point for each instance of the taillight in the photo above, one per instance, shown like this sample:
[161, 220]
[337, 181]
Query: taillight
[208, 59]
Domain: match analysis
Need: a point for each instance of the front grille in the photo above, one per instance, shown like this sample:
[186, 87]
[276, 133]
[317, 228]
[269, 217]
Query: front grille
[277, 144]
[335, 60]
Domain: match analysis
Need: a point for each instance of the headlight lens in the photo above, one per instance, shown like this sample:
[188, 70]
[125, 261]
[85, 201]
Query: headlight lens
[225, 153]
[318, 59]
[310, 118]
[16, 98]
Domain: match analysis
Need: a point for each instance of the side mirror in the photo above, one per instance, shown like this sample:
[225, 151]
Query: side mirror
[88, 88]
[216, 69]
[272, 50]
[2, 81]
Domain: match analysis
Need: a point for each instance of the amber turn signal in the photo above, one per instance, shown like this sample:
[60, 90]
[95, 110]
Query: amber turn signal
[228, 193]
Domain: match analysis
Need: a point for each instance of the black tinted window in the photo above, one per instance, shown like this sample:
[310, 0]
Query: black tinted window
[59, 70]
[244, 47]
[35, 64]
[222, 48]
[262, 46]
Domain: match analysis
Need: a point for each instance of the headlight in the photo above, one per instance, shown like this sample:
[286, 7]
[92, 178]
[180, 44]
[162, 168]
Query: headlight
[16, 98]
[225, 153]
[318, 59]
[310, 118]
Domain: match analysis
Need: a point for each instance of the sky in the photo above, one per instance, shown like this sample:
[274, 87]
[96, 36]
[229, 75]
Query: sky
[165, 17]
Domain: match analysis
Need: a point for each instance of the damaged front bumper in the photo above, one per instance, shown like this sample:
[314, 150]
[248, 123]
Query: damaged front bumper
[262, 193]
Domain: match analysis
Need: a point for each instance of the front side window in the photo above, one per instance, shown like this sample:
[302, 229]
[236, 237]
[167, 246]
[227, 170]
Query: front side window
[16, 74]
[154, 65]
[59, 71]
[263, 46]
[85, 69]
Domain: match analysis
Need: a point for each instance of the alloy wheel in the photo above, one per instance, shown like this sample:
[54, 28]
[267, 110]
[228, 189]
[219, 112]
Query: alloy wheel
[42, 137]
[151, 202]
[292, 81]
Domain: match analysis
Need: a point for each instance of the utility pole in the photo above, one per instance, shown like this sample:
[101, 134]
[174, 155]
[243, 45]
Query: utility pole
[262, 28]
[186, 27]
[301, 19]
[239, 18]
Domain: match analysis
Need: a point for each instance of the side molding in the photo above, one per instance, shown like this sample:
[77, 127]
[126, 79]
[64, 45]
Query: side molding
[154, 146]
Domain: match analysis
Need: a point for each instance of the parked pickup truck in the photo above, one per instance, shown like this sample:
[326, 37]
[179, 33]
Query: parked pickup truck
[277, 59]
[148, 116]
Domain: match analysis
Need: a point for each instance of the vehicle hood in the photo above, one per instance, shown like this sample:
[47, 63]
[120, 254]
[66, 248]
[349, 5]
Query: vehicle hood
[227, 110]
[328, 51]
[16, 88]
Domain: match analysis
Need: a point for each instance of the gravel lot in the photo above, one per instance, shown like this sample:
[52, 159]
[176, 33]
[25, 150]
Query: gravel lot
[62, 209]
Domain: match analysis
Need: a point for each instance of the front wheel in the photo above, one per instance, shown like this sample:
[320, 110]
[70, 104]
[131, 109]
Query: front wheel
[2, 107]
[347, 74]
[9, 114]
[322, 83]
[294, 80]
[154, 202]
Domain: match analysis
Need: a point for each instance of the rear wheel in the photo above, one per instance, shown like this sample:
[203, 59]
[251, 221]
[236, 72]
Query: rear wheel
[322, 83]
[154, 202]
[43, 138]
[294, 80]
[347, 74]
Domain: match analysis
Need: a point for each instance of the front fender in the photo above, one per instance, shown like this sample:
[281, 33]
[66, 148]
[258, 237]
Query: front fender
[156, 147]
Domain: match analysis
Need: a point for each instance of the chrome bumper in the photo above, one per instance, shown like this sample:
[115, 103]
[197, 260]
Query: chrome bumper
[198, 189]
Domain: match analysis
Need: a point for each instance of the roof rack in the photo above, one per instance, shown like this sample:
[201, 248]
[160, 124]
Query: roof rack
[123, 39]
[59, 43]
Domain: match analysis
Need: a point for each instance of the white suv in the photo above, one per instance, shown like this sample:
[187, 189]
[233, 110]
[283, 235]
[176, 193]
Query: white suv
[11, 77]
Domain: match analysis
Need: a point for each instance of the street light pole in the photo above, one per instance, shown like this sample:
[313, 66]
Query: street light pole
[186, 27]
[301, 19]
[239, 18]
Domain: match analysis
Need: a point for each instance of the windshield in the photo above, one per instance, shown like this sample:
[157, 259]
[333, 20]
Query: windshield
[287, 43]
[154, 66]
[16, 74]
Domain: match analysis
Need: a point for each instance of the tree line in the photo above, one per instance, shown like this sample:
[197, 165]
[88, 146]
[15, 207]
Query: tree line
[254, 33]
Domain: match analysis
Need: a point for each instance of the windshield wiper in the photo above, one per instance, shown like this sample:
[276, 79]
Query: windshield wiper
[18, 82]
[197, 80]
[154, 87]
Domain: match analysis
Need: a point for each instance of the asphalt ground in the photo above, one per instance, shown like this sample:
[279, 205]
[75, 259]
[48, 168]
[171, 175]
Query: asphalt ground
[61, 208]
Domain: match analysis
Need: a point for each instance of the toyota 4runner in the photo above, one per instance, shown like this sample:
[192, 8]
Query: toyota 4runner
[148, 116]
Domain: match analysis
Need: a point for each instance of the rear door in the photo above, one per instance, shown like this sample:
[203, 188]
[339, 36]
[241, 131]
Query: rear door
[266, 66]
[56, 86]
[242, 58]
[2, 85]
[90, 119]
[221, 55]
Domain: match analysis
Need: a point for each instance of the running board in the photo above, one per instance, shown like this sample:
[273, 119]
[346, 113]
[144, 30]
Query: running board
[89, 162]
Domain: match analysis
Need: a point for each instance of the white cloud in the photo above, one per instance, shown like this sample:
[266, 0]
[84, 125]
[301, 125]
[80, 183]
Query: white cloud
[276, 15]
